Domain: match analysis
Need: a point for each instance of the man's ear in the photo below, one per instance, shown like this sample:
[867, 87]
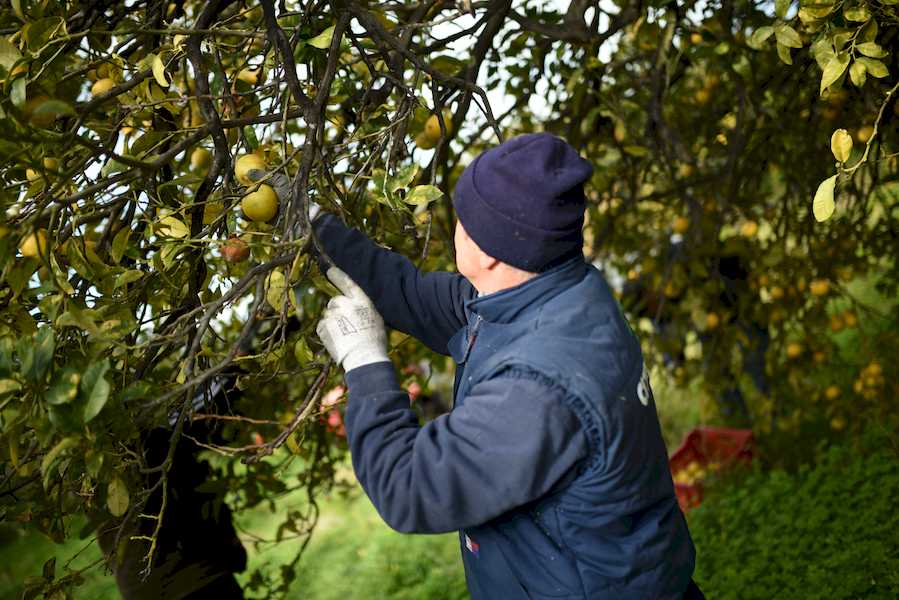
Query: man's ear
[487, 262]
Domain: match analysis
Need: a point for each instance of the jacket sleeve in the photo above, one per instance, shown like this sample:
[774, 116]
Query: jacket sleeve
[428, 306]
[510, 443]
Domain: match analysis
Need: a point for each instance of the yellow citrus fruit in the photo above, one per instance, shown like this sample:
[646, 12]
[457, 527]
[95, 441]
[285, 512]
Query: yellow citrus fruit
[838, 423]
[695, 38]
[432, 126]
[836, 323]
[819, 356]
[819, 287]
[749, 229]
[681, 225]
[424, 142]
[874, 369]
[794, 350]
[864, 134]
[832, 392]
[200, 159]
[850, 319]
[712, 320]
[777, 292]
[250, 76]
[51, 165]
[34, 245]
[260, 205]
[702, 96]
[101, 86]
[245, 164]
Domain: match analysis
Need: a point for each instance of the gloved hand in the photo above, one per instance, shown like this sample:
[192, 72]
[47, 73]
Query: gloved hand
[351, 328]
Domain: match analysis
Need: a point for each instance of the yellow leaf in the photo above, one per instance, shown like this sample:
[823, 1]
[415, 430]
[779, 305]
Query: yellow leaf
[159, 72]
[322, 40]
[172, 227]
[823, 204]
[275, 290]
[117, 498]
[841, 144]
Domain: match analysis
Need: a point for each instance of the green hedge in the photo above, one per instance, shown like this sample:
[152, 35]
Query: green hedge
[830, 530]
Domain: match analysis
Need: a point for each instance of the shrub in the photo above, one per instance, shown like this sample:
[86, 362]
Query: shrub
[828, 530]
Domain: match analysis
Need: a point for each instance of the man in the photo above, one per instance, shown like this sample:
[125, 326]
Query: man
[551, 464]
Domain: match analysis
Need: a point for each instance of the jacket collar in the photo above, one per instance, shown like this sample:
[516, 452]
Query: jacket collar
[524, 300]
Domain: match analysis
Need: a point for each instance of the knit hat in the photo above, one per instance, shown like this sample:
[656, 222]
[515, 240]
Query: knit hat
[522, 202]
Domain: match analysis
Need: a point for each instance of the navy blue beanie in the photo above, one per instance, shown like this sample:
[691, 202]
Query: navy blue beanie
[522, 202]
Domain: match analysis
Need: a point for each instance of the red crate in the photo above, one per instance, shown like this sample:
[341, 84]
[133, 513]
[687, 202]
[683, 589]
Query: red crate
[705, 445]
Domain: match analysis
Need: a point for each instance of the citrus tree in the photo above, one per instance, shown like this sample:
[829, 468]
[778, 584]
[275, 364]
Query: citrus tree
[162, 161]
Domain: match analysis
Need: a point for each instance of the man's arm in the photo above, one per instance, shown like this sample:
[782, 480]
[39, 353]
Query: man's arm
[510, 443]
[428, 306]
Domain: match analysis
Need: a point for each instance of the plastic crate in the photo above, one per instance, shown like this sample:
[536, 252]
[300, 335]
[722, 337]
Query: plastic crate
[718, 447]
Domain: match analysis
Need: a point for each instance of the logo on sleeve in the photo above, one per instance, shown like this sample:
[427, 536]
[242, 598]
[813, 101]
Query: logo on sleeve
[472, 545]
[644, 392]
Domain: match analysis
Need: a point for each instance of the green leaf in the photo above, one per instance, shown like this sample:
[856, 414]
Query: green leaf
[856, 13]
[760, 36]
[823, 204]
[17, 8]
[18, 95]
[783, 52]
[82, 318]
[781, 7]
[402, 179]
[120, 244]
[787, 36]
[834, 70]
[874, 67]
[129, 276]
[857, 74]
[6, 352]
[302, 352]
[871, 49]
[94, 389]
[322, 40]
[54, 108]
[423, 195]
[117, 499]
[41, 355]
[9, 54]
[9, 385]
[51, 457]
[64, 388]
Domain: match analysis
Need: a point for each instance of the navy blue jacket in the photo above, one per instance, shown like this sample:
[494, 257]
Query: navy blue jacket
[551, 463]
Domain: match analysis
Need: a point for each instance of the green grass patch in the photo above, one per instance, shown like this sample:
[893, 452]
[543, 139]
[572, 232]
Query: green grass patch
[826, 531]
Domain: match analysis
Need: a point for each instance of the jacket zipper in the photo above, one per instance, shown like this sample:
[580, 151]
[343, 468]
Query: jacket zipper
[472, 336]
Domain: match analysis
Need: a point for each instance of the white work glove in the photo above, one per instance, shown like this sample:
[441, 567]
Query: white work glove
[351, 328]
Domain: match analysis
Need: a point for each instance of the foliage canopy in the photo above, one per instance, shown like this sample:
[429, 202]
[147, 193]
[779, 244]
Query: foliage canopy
[125, 295]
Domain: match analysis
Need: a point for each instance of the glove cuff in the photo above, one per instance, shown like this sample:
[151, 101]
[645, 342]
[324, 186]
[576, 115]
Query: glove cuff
[360, 357]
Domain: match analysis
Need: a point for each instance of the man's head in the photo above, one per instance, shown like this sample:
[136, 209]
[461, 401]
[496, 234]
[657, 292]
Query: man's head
[521, 207]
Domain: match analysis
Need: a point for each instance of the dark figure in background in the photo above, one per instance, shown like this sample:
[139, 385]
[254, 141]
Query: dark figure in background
[198, 551]
[753, 343]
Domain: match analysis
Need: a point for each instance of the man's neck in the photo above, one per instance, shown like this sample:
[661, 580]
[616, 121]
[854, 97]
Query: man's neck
[504, 279]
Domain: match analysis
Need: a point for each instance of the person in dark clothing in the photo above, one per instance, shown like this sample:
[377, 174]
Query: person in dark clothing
[551, 463]
[198, 551]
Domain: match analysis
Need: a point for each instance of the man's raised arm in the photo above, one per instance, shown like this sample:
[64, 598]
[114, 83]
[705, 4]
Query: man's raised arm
[428, 306]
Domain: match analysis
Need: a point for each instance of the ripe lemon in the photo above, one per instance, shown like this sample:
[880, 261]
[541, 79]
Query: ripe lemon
[34, 245]
[712, 320]
[819, 287]
[794, 350]
[832, 392]
[432, 126]
[749, 229]
[245, 164]
[260, 205]
[102, 86]
[200, 159]
[681, 225]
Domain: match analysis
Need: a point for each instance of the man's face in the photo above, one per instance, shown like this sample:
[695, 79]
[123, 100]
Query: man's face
[468, 254]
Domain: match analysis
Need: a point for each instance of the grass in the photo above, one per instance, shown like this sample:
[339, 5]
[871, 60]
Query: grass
[352, 554]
